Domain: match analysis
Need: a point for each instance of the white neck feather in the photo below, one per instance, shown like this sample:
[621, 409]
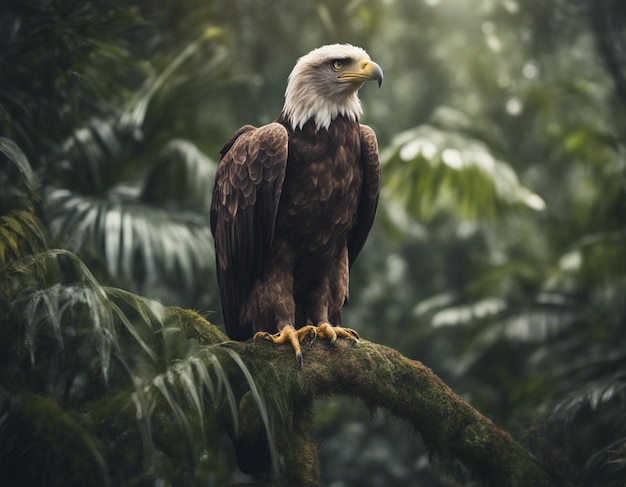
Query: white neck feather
[302, 105]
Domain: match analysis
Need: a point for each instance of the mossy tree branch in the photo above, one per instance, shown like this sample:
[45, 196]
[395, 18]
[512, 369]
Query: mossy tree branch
[382, 378]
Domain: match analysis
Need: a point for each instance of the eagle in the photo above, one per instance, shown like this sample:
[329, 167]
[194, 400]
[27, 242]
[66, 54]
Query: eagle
[293, 204]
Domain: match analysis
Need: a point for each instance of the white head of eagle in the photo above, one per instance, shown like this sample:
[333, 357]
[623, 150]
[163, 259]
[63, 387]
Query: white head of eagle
[325, 83]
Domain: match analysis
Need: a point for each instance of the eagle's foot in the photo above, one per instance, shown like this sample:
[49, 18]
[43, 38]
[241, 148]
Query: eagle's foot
[291, 336]
[326, 331]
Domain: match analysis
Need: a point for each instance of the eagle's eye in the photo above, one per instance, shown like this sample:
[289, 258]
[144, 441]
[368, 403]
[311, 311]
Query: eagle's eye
[337, 64]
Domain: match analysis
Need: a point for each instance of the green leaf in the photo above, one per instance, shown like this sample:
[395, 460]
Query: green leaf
[21, 234]
[18, 183]
[12, 152]
[182, 176]
[430, 170]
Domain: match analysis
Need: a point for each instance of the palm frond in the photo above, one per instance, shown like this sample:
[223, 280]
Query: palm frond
[538, 324]
[133, 116]
[150, 246]
[463, 314]
[91, 158]
[429, 169]
[17, 180]
[149, 311]
[594, 395]
[547, 317]
[490, 321]
[222, 388]
[158, 248]
[260, 402]
[608, 464]
[594, 378]
[181, 176]
[194, 389]
[55, 298]
[591, 418]
[55, 305]
[67, 337]
[20, 234]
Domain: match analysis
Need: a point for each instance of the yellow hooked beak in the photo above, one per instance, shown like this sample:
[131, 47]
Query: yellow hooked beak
[365, 70]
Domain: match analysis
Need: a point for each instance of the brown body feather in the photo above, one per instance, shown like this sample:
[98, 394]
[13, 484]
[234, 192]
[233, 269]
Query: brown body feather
[291, 211]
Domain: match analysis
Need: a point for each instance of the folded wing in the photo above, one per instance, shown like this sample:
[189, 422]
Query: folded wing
[247, 189]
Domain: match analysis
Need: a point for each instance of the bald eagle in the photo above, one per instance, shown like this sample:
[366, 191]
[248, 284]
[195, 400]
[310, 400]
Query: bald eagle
[293, 203]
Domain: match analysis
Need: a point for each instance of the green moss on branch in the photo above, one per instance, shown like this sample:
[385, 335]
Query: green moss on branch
[383, 378]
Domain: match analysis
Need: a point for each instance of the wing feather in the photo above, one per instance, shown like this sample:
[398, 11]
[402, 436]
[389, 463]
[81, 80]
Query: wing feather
[247, 188]
[368, 202]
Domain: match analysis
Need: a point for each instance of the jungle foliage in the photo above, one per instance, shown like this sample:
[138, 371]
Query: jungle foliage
[497, 257]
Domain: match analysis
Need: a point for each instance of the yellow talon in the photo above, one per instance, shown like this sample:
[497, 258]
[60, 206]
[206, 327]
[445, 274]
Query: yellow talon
[290, 335]
[331, 333]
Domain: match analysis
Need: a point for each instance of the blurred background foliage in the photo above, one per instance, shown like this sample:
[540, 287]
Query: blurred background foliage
[497, 257]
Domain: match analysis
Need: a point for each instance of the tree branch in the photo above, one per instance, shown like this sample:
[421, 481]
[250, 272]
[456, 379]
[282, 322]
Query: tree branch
[382, 378]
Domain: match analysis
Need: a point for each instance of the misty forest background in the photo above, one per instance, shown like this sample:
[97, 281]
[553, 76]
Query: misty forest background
[498, 257]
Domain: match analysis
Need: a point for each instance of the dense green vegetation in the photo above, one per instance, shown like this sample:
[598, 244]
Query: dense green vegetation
[497, 258]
